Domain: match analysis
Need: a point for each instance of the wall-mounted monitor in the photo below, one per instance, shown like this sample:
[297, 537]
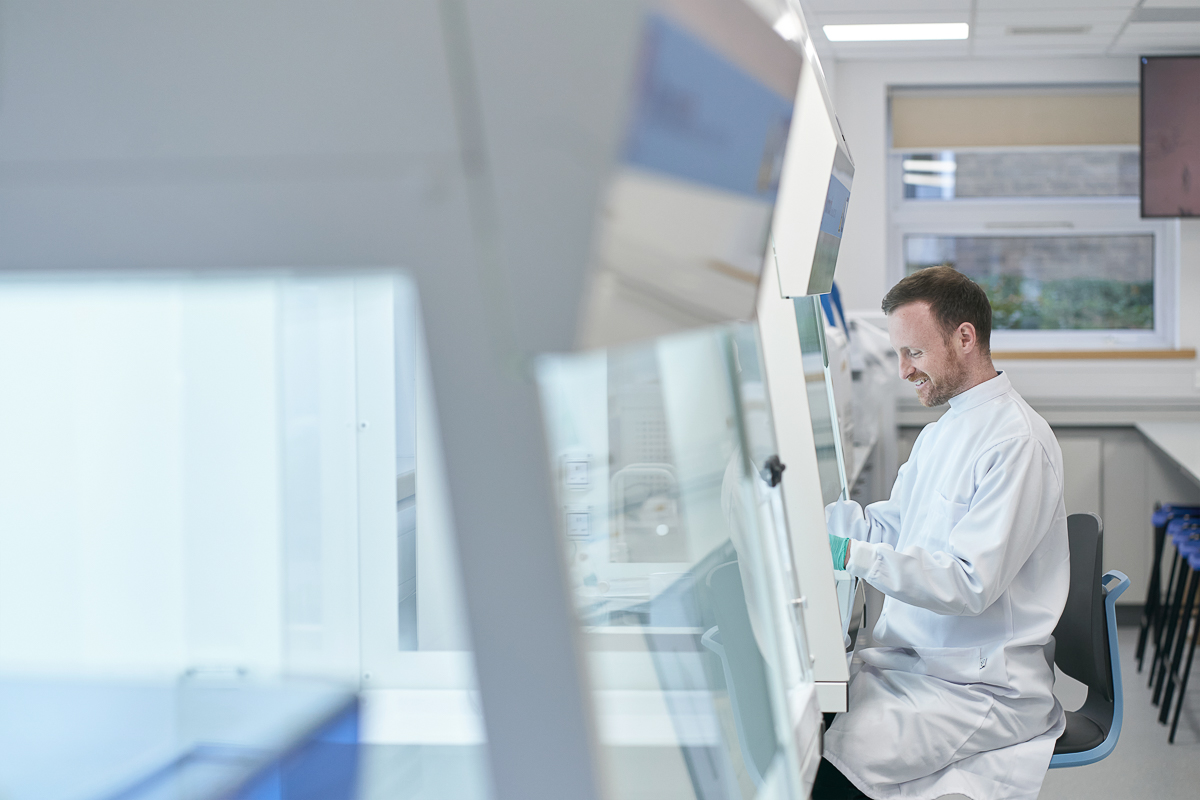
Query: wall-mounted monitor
[1170, 136]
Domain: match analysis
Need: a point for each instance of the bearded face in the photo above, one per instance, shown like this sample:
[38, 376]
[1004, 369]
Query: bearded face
[928, 358]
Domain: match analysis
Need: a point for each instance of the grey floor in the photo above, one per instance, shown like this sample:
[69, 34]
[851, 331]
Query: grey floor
[1143, 764]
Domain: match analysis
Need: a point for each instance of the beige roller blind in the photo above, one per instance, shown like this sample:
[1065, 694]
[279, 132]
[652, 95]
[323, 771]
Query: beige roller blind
[956, 118]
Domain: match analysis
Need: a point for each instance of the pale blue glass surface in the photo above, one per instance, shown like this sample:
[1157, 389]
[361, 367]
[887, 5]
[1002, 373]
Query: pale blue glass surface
[810, 322]
[672, 553]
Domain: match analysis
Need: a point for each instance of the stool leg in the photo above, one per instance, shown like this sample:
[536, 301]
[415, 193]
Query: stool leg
[1162, 654]
[1160, 614]
[1163, 618]
[1183, 681]
[1192, 579]
[1153, 595]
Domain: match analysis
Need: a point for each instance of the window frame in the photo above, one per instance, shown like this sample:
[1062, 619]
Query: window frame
[1041, 216]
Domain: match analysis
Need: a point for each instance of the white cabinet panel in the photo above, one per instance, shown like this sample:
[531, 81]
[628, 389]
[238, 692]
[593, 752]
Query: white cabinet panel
[1082, 473]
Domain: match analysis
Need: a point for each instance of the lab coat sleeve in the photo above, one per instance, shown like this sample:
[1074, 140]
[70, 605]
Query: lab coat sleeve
[1016, 498]
[878, 522]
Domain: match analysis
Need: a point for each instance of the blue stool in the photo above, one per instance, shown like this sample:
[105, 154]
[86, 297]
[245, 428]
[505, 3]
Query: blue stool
[1189, 549]
[1152, 609]
[1182, 533]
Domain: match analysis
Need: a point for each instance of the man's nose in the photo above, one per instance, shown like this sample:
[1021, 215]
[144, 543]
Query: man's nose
[906, 367]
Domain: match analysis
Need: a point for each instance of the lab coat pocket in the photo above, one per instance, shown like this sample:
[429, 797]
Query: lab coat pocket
[940, 519]
[948, 510]
[954, 664]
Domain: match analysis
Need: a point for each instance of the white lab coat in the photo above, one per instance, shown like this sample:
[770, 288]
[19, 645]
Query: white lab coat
[970, 551]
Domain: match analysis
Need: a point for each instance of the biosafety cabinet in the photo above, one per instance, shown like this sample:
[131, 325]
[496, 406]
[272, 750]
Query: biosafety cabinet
[693, 455]
[470, 359]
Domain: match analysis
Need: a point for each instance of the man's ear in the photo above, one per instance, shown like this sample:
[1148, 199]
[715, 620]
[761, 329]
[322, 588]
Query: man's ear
[967, 339]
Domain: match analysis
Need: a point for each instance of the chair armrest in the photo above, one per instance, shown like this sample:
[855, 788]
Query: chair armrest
[1111, 594]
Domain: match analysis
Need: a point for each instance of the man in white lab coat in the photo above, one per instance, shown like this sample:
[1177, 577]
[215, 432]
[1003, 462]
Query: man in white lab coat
[955, 695]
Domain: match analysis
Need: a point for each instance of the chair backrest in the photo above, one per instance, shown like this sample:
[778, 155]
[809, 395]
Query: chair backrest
[1081, 637]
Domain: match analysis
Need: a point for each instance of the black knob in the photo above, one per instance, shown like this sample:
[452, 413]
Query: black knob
[772, 471]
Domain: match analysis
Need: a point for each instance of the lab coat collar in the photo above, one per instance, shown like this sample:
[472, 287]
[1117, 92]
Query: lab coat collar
[978, 395]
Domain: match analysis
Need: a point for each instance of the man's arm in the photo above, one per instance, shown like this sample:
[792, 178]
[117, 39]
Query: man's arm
[1017, 498]
[878, 522]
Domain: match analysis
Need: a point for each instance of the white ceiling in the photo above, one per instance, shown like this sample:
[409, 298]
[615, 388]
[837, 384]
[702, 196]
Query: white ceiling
[1018, 28]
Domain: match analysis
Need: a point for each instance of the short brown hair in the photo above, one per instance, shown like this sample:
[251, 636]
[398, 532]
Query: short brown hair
[953, 298]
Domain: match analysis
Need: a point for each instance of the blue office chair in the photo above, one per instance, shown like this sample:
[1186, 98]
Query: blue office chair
[1086, 648]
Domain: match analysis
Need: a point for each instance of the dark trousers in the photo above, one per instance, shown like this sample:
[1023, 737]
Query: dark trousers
[830, 784]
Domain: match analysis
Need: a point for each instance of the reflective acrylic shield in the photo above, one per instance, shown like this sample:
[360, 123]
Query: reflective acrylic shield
[820, 398]
[827, 436]
[696, 664]
[686, 213]
[215, 474]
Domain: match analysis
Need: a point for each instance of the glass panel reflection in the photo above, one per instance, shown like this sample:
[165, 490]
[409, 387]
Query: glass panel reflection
[216, 474]
[820, 407]
[670, 541]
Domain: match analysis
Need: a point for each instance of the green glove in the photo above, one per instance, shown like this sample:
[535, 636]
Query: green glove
[838, 547]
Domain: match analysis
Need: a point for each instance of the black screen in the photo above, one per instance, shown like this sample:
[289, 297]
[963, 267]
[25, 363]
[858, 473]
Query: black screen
[1170, 136]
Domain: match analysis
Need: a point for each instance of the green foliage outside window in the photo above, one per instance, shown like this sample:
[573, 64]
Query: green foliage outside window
[1091, 282]
[1075, 304]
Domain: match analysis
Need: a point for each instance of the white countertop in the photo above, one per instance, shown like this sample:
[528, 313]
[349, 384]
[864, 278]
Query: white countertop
[1179, 441]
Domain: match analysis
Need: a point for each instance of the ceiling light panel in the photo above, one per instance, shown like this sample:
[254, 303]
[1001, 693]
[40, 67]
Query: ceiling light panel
[888, 17]
[897, 32]
[820, 7]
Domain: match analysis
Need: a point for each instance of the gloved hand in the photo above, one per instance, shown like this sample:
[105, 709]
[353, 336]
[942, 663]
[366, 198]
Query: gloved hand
[839, 547]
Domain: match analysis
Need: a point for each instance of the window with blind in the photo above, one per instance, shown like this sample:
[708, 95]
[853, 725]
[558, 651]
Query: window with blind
[1033, 193]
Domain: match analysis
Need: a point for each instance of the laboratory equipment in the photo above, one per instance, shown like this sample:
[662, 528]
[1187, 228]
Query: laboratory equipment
[817, 175]
[814, 174]
[228, 458]
[682, 575]
[815, 183]
[489, 176]
[212, 446]
[808, 444]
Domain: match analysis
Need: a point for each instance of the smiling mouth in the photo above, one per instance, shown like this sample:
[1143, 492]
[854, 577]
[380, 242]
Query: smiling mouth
[920, 382]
